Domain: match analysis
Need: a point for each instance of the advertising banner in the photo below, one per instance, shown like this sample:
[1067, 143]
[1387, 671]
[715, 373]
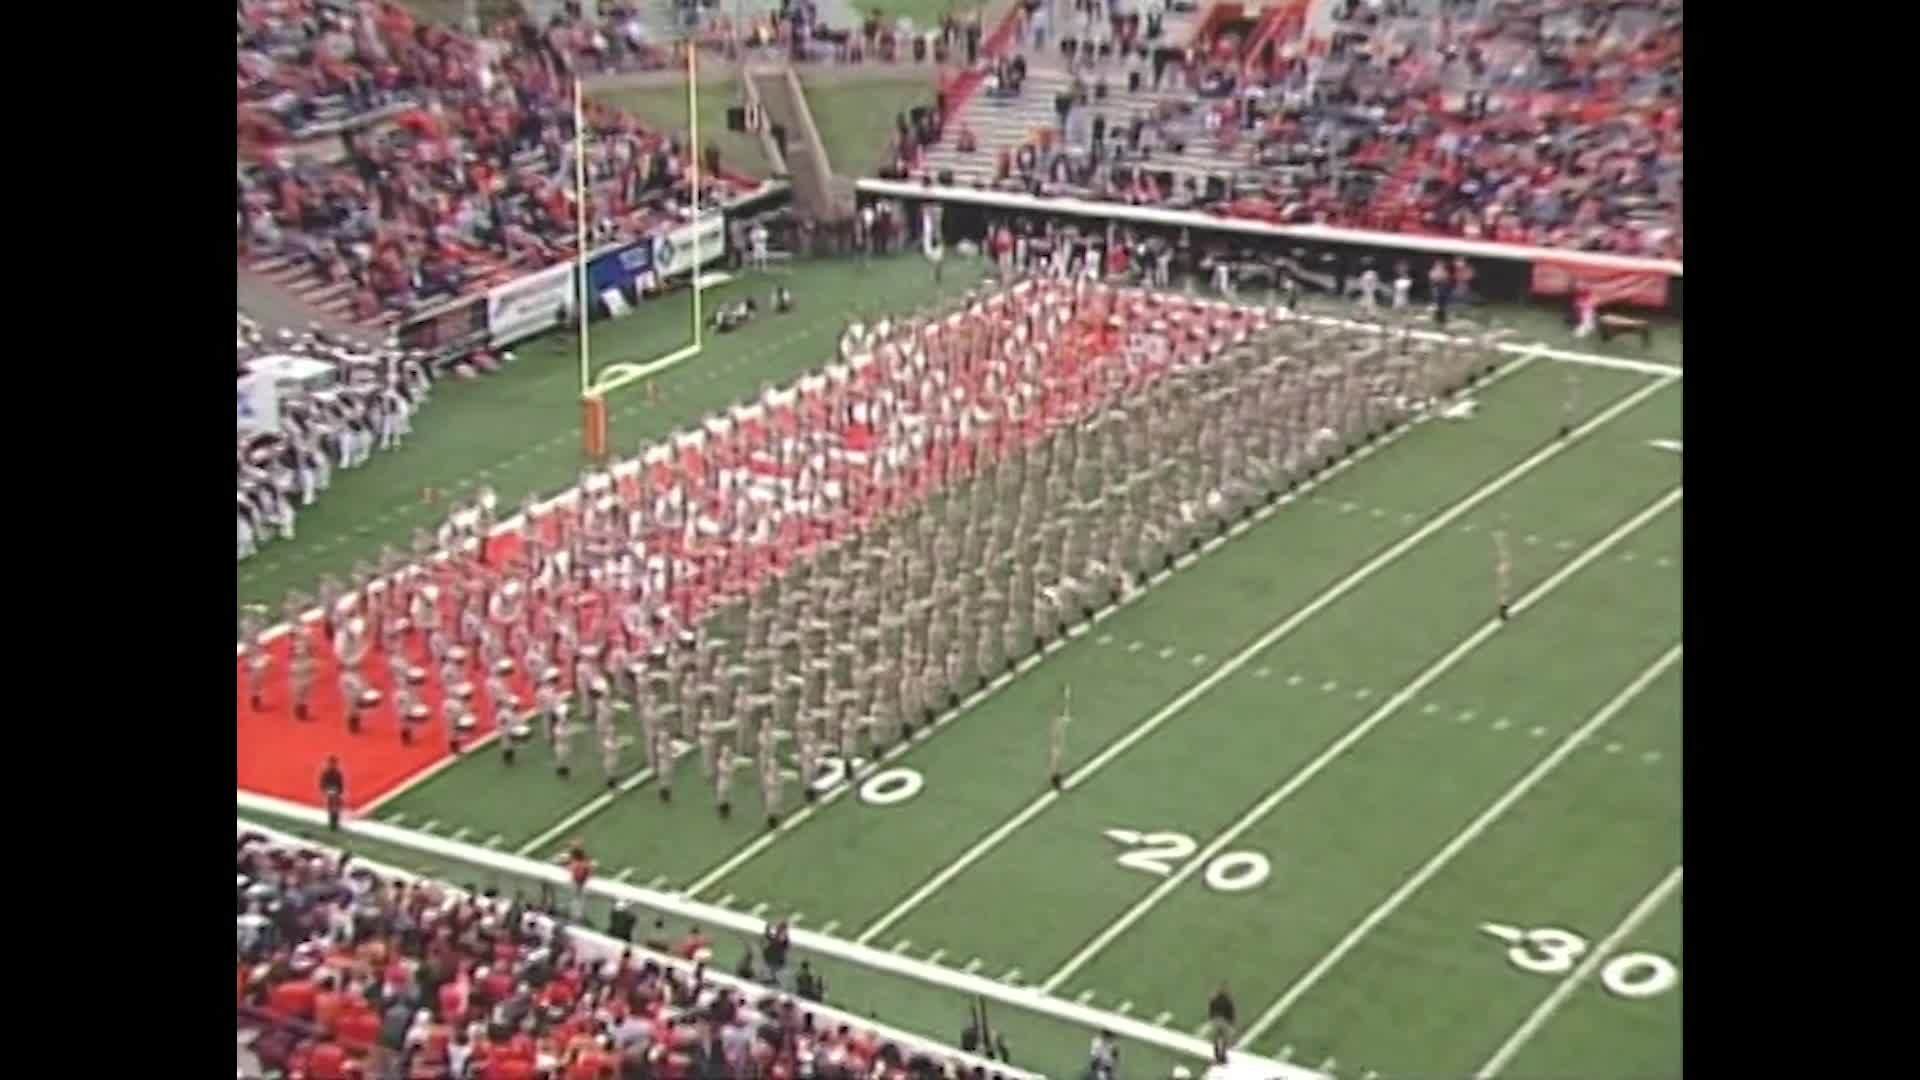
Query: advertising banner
[615, 271]
[529, 305]
[1637, 287]
[673, 252]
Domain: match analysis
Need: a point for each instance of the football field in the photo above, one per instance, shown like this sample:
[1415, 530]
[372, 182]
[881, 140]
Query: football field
[1310, 762]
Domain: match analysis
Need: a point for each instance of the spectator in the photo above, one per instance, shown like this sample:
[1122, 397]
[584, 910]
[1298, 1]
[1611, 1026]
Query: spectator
[811, 987]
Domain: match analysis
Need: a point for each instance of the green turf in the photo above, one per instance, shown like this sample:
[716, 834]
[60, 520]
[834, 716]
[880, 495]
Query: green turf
[857, 119]
[1424, 993]
[664, 109]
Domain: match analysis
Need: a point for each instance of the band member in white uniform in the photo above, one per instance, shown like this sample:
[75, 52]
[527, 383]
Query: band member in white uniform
[1502, 572]
[1057, 741]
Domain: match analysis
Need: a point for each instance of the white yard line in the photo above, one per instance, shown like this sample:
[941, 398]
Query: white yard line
[1638, 367]
[1454, 847]
[1347, 741]
[1257, 647]
[1544, 1012]
[591, 807]
[767, 839]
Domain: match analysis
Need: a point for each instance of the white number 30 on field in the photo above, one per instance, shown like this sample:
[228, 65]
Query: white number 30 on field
[1158, 853]
[1552, 951]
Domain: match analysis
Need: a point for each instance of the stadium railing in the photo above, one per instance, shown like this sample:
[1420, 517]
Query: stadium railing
[1029, 998]
[597, 947]
[1503, 271]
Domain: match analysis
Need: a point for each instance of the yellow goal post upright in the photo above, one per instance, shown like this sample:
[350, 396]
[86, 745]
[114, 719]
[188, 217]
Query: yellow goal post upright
[594, 388]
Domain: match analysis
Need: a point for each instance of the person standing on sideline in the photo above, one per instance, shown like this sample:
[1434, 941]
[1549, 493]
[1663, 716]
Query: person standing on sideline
[1220, 1020]
[579, 870]
[333, 788]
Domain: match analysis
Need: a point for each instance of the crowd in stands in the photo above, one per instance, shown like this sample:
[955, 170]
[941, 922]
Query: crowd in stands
[453, 165]
[358, 399]
[1547, 122]
[342, 974]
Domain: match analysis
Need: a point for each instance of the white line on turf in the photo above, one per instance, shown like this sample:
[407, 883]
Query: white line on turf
[395, 819]
[495, 841]
[724, 901]
[590, 808]
[1346, 742]
[460, 833]
[1164, 1017]
[758, 909]
[1544, 1012]
[1012, 976]
[429, 825]
[658, 881]
[767, 839]
[625, 873]
[973, 965]
[901, 947]
[831, 926]
[1124, 1008]
[1085, 996]
[1260, 645]
[935, 956]
[1455, 846]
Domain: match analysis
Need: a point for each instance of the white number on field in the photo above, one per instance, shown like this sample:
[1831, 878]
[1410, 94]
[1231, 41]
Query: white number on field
[1552, 951]
[1159, 853]
[887, 788]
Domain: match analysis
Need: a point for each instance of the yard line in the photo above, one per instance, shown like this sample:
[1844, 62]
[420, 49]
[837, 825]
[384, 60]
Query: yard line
[1544, 1012]
[1346, 742]
[593, 806]
[1306, 489]
[1257, 647]
[1458, 844]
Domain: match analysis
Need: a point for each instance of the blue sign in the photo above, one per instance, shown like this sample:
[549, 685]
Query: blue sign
[616, 270]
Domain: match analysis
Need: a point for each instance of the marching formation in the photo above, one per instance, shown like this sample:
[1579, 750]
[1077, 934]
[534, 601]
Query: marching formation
[289, 458]
[800, 586]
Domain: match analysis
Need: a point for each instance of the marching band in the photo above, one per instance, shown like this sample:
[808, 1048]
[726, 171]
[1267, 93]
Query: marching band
[806, 583]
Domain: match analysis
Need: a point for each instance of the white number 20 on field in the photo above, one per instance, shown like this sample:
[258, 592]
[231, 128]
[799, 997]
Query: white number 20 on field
[1159, 853]
[1552, 951]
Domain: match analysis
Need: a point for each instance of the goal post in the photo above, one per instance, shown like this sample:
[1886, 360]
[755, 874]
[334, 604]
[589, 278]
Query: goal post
[595, 386]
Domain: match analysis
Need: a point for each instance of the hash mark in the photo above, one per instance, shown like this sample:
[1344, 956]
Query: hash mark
[973, 965]
[934, 957]
[1263, 673]
[1377, 512]
[1295, 679]
[1502, 724]
[1650, 756]
[1614, 748]
[1166, 652]
[832, 925]
[1199, 658]
[725, 901]
[759, 909]
[1349, 507]
[429, 825]
[1104, 639]
[1285, 1054]
[1329, 686]
[658, 881]
[1124, 1008]
[1532, 539]
[625, 873]
[1162, 1019]
[1085, 996]
[1011, 977]
[394, 819]
[1429, 708]
[1133, 646]
[496, 840]
[1363, 693]
[901, 946]
[1466, 716]
[460, 834]
[1564, 545]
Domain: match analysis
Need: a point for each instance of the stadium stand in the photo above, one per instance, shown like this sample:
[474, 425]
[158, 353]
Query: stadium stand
[345, 970]
[1537, 122]
[451, 166]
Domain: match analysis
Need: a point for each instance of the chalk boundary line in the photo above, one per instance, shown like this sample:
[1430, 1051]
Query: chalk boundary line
[981, 848]
[1545, 1011]
[605, 800]
[1338, 748]
[1439, 861]
[1028, 998]
[755, 847]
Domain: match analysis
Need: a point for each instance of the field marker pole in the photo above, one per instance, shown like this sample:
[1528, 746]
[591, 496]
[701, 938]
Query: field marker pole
[1544, 1012]
[1458, 844]
[1347, 741]
[1259, 645]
